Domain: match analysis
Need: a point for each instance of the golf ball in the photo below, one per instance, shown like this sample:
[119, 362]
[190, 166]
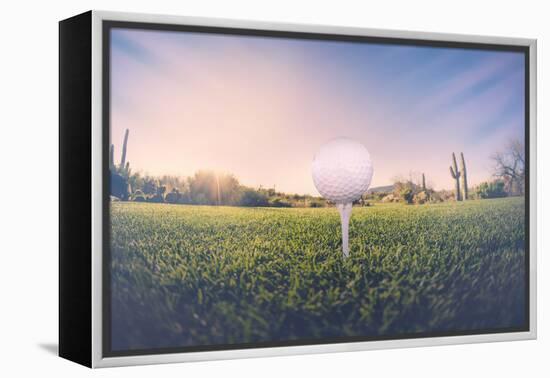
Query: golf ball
[342, 170]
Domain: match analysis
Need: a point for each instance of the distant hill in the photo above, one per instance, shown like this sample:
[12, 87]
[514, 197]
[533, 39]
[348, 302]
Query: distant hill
[381, 189]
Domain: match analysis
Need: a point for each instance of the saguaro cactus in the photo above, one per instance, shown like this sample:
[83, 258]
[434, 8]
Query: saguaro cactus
[124, 167]
[126, 172]
[455, 174]
[120, 174]
[112, 158]
[464, 177]
[123, 158]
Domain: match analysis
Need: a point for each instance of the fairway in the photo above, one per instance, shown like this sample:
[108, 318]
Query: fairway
[185, 275]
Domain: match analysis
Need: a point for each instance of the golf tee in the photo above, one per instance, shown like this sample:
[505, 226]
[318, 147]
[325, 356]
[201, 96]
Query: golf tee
[345, 214]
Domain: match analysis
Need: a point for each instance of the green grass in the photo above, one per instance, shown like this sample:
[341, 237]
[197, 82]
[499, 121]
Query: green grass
[198, 275]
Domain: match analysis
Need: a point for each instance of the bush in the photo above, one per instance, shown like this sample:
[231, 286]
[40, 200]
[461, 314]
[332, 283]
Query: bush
[157, 198]
[161, 190]
[253, 198]
[316, 203]
[403, 191]
[150, 185]
[173, 196]
[494, 189]
[138, 196]
[390, 198]
[407, 195]
[422, 197]
[279, 202]
[376, 196]
[201, 199]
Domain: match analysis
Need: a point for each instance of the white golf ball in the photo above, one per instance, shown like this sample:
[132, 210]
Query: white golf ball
[342, 170]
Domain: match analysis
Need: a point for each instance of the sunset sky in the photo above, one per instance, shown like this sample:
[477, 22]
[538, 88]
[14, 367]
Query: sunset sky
[260, 107]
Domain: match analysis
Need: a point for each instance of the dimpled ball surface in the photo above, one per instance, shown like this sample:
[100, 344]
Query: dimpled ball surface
[342, 170]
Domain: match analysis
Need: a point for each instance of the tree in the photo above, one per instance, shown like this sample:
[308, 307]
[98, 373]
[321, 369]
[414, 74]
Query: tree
[510, 167]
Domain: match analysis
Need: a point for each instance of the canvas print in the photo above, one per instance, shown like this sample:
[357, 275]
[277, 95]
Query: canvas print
[269, 190]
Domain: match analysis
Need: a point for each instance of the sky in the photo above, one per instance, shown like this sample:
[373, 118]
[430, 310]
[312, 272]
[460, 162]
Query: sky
[260, 107]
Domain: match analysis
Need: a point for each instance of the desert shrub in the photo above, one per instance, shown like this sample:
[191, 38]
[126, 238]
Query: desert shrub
[493, 189]
[446, 195]
[404, 191]
[279, 202]
[157, 198]
[390, 198]
[436, 197]
[316, 203]
[138, 196]
[150, 186]
[406, 194]
[253, 198]
[421, 198]
[173, 196]
[377, 196]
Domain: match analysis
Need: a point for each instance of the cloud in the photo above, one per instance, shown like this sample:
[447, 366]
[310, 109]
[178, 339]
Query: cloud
[260, 107]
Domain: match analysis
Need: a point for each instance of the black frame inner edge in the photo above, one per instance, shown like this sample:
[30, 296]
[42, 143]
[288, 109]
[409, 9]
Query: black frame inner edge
[108, 25]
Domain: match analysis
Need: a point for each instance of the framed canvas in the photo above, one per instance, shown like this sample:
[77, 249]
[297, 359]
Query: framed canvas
[238, 189]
